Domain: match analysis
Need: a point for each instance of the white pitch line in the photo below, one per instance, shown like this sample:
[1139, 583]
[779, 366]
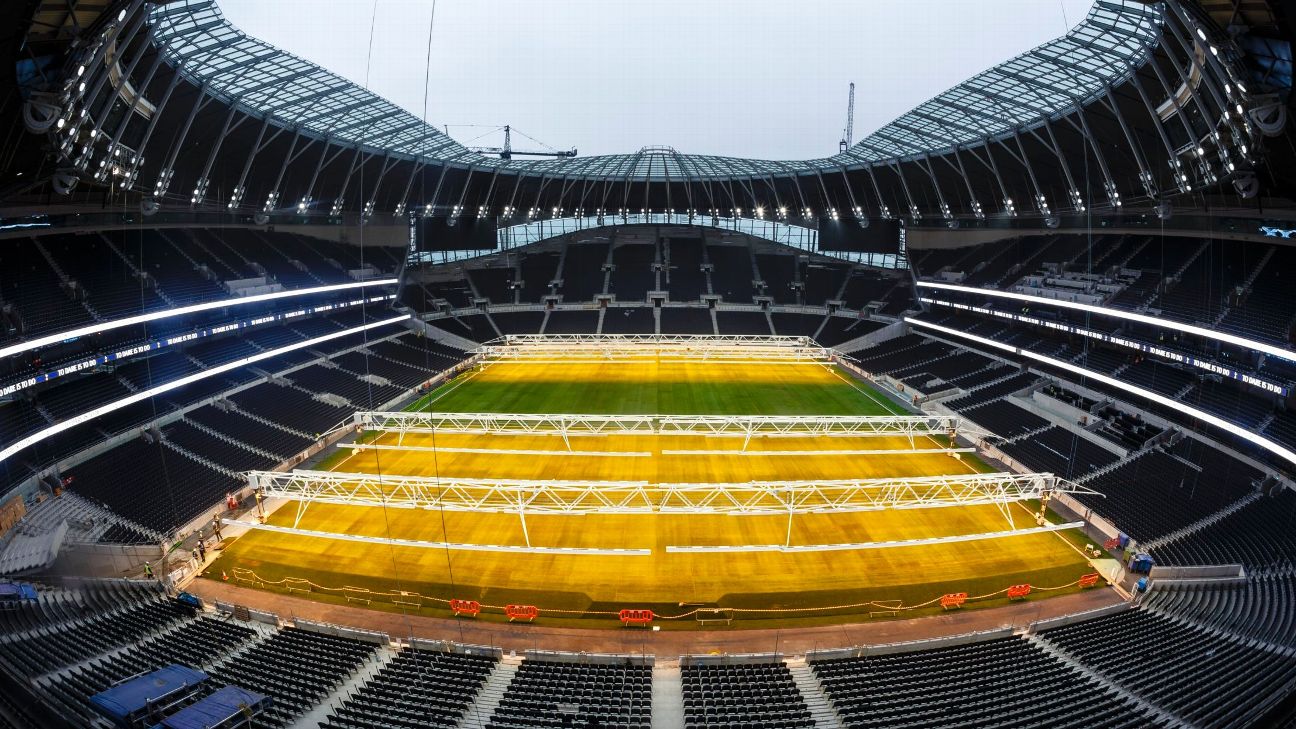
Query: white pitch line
[881, 452]
[575, 551]
[504, 451]
[729, 549]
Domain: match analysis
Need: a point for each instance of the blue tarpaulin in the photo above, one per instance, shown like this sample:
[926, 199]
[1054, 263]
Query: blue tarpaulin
[228, 703]
[125, 700]
[17, 591]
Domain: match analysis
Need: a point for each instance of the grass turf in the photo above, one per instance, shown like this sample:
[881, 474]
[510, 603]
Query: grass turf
[665, 388]
[588, 586]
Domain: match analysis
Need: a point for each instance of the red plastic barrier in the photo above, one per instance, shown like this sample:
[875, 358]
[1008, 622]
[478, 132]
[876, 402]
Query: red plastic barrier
[1017, 592]
[465, 607]
[1089, 580]
[636, 617]
[521, 612]
[953, 600]
[1111, 543]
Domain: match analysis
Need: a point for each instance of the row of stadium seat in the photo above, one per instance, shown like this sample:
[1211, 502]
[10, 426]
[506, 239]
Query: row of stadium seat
[1134, 667]
[828, 330]
[686, 269]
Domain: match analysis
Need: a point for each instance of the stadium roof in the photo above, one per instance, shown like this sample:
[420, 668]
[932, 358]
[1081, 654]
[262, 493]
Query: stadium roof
[1045, 83]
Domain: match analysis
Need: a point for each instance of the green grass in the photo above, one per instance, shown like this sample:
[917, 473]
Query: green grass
[842, 396]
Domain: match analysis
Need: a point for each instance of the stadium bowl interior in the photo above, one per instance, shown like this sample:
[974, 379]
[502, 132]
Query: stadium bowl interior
[311, 415]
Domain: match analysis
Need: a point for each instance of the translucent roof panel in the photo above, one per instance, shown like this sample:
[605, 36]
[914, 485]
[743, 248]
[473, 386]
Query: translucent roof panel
[1045, 82]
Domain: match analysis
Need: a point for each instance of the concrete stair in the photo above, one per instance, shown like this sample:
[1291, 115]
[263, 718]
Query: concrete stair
[821, 708]
[480, 711]
[667, 697]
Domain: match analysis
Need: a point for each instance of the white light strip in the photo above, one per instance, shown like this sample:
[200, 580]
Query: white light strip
[1205, 417]
[1135, 344]
[392, 541]
[724, 549]
[57, 428]
[181, 311]
[182, 338]
[1269, 349]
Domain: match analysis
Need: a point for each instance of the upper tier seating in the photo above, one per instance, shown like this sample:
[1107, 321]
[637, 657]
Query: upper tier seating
[1005, 419]
[32, 299]
[1260, 534]
[582, 272]
[778, 271]
[731, 278]
[1059, 451]
[495, 284]
[1157, 493]
[683, 277]
[633, 277]
[538, 269]
[151, 484]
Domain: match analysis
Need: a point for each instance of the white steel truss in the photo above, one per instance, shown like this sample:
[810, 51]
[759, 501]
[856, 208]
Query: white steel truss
[736, 349]
[638, 497]
[735, 426]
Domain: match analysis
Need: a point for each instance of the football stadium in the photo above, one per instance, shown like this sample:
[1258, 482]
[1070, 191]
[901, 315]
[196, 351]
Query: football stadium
[316, 413]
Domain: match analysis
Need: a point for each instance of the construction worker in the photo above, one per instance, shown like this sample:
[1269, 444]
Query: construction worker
[148, 570]
[216, 527]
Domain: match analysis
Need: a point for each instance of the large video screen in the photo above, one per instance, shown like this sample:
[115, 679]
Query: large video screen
[467, 234]
[882, 236]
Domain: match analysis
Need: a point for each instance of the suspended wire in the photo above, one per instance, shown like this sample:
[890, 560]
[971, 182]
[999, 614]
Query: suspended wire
[364, 319]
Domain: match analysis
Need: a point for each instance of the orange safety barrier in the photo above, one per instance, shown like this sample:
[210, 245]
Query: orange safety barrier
[465, 607]
[1089, 580]
[636, 617]
[953, 600]
[1017, 592]
[521, 612]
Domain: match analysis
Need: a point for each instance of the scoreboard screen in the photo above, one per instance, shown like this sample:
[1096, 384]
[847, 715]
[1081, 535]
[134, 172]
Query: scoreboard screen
[882, 236]
[467, 234]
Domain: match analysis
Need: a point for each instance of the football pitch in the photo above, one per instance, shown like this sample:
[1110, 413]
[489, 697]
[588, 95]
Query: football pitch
[797, 587]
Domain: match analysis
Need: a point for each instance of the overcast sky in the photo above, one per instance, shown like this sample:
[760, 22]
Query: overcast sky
[744, 78]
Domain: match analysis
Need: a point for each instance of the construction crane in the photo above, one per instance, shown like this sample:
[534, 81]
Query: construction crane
[849, 131]
[507, 151]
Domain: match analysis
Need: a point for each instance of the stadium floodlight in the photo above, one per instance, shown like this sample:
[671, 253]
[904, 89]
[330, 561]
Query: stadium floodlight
[183, 310]
[143, 395]
[1196, 331]
[1168, 402]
